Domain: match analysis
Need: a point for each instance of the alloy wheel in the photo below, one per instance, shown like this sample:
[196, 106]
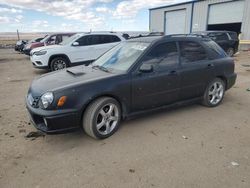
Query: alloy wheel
[59, 64]
[107, 119]
[216, 92]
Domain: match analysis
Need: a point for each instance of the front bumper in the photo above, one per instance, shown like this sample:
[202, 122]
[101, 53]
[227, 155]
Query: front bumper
[54, 121]
[231, 79]
[26, 51]
[39, 62]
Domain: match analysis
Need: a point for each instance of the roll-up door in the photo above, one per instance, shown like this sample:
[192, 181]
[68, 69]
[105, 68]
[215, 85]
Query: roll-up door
[175, 22]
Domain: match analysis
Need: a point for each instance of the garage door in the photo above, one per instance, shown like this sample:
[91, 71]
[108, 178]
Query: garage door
[175, 22]
[230, 12]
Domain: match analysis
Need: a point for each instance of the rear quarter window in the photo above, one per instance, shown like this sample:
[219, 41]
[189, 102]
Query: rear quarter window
[215, 51]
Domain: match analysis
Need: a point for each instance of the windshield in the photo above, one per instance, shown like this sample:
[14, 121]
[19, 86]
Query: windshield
[70, 39]
[45, 39]
[122, 56]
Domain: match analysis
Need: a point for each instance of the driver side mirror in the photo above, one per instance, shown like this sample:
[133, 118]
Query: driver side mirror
[75, 44]
[146, 68]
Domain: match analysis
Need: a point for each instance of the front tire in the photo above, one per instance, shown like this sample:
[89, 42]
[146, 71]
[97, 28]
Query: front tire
[214, 93]
[102, 118]
[58, 63]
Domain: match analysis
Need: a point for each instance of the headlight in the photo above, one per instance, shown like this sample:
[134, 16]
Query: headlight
[42, 52]
[47, 99]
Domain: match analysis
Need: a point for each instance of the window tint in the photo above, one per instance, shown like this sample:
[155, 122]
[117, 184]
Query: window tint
[218, 36]
[216, 51]
[58, 39]
[114, 38]
[233, 35]
[108, 39]
[52, 40]
[88, 40]
[162, 55]
[97, 39]
[192, 52]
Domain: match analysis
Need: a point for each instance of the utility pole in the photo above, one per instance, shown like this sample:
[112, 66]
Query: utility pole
[18, 37]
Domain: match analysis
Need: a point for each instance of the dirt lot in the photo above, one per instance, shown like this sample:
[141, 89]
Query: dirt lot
[191, 146]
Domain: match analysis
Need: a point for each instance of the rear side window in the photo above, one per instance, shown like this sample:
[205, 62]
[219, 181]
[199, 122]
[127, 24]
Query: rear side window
[216, 52]
[192, 52]
[163, 55]
[108, 39]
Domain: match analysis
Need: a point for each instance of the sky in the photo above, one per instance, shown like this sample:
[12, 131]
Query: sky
[77, 15]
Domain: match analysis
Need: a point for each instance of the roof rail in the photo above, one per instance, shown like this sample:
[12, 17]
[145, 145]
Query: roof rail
[186, 35]
[151, 34]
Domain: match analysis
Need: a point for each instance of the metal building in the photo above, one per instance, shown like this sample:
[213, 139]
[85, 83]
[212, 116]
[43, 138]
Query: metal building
[201, 15]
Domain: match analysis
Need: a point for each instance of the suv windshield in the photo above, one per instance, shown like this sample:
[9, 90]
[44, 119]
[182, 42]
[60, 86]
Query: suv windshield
[70, 39]
[122, 56]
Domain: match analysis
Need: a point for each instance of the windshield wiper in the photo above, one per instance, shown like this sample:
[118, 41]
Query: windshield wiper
[101, 68]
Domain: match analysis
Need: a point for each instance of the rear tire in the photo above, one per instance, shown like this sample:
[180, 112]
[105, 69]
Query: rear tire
[59, 63]
[230, 52]
[214, 93]
[102, 118]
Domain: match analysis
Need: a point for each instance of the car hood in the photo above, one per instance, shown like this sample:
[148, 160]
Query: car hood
[36, 44]
[47, 47]
[66, 78]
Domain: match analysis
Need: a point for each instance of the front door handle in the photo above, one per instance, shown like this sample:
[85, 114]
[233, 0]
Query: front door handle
[210, 65]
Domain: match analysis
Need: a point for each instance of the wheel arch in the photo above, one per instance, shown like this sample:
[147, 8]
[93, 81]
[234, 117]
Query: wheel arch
[58, 55]
[223, 78]
[122, 105]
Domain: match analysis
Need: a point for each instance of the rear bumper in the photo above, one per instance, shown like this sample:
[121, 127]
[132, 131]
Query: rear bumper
[231, 80]
[53, 121]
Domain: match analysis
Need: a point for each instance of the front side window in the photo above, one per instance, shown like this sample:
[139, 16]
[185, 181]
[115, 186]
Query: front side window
[192, 52]
[52, 40]
[58, 39]
[162, 55]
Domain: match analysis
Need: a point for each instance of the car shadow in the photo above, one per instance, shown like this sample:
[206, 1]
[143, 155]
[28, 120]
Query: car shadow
[79, 139]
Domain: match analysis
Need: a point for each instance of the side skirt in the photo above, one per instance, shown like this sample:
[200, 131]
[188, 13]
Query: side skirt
[81, 63]
[161, 108]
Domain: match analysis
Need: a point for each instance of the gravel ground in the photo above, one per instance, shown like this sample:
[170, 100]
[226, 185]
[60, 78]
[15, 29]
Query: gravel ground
[191, 146]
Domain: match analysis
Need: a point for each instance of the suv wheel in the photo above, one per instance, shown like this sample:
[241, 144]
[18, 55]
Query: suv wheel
[214, 93]
[102, 118]
[230, 52]
[59, 63]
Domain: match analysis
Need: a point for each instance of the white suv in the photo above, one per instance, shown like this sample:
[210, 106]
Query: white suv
[78, 49]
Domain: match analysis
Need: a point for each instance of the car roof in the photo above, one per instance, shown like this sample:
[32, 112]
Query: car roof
[181, 37]
[99, 33]
[207, 32]
[148, 39]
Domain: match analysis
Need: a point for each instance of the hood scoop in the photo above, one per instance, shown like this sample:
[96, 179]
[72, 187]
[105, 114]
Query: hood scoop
[75, 72]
